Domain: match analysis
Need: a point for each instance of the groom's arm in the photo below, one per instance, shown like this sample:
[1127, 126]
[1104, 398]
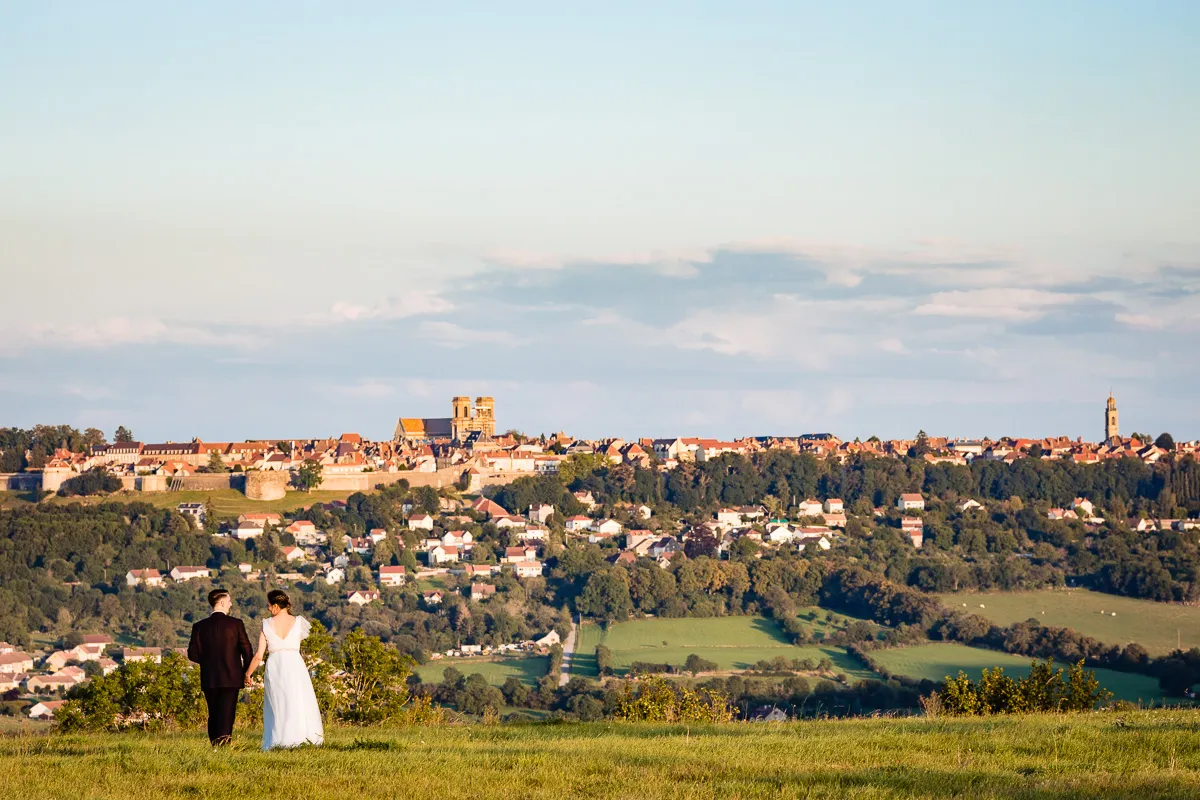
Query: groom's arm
[244, 648]
[194, 650]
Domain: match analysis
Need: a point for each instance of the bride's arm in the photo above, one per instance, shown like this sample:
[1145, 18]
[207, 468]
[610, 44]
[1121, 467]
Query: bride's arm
[258, 656]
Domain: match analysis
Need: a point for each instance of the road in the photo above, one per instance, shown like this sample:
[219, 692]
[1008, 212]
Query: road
[568, 651]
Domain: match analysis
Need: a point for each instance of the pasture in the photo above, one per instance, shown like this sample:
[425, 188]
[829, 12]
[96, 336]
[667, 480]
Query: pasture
[494, 670]
[226, 502]
[1148, 755]
[1155, 626]
[936, 661]
[733, 643]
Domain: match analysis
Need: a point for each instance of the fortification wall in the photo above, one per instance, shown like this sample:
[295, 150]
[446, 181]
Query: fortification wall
[213, 482]
[266, 485]
[20, 481]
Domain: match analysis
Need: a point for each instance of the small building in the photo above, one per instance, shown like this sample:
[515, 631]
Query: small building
[16, 661]
[182, 574]
[392, 576]
[528, 569]
[145, 577]
[292, 553]
[834, 505]
[541, 513]
[422, 522]
[45, 709]
[131, 654]
[433, 598]
[910, 502]
[577, 523]
[482, 591]
[362, 597]
[443, 554]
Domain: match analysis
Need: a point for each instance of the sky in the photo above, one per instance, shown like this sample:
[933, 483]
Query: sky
[288, 219]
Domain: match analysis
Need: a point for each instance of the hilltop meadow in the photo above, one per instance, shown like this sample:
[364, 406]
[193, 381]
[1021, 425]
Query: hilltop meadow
[1093, 755]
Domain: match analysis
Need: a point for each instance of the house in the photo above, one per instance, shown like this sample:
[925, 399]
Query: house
[181, 574]
[16, 661]
[392, 576]
[101, 639]
[577, 523]
[146, 577]
[11, 681]
[509, 522]
[625, 557]
[533, 533]
[587, 499]
[377, 535]
[478, 570]
[443, 554]
[422, 522]
[809, 508]
[768, 714]
[292, 553]
[513, 555]
[969, 505]
[362, 597]
[482, 591]
[609, 527]
[45, 709]
[489, 508]
[644, 511]
[835, 520]
[193, 510]
[335, 575]
[1084, 505]
[910, 502]
[1061, 514]
[541, 513]
[834, 505]
[262, 519]
[132, 654]
[728, 517]
[362, 545]
[666, 546]
[528, 569]
[107, 665]
[549, 640]
[909, 524]
[433, 598]
[247, 530]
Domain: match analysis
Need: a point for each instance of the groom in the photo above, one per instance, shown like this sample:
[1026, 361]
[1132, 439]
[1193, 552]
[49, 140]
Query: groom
[220, 646]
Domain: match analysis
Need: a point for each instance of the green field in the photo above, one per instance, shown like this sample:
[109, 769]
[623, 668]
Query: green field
[227, 502]
[1144, 755]
[734, 643]
[1154, 626]
[496, 671]
[935, 661]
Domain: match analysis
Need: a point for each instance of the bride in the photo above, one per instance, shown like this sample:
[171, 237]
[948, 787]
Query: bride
[291, 716]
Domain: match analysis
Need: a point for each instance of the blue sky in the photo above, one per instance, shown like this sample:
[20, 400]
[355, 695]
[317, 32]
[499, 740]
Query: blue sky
[289, 219]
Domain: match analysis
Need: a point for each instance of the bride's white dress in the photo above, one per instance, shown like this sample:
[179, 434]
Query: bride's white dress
[291, 716]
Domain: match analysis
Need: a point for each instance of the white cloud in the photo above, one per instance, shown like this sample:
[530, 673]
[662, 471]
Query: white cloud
[449, 334]
[117, 331]
[998, 304]
[406, 305]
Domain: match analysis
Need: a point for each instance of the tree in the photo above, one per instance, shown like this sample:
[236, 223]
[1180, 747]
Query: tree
[477, 696]
[604, 660]
[373, 688]
[216, 463]
[309, 476]
[92, 438]
[123, 435]
[605, 596]
[1165, 441]
[142, 694]
[695, 664]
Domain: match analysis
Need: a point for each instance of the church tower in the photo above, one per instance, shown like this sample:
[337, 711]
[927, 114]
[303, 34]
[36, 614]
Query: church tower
[1111, 431]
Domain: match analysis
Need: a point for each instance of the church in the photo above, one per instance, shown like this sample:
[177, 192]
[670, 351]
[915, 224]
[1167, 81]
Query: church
[467, 422]
[1112, 431]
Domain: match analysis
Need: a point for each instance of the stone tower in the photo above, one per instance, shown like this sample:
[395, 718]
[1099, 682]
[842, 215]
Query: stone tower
[485, 415]
[1111, 430]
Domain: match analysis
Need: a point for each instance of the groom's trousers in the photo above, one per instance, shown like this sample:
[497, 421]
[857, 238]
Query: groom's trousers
[222, 705]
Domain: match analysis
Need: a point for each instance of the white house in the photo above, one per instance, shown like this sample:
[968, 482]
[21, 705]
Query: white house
[578, 523]
[533, 533]
[146, 577]
[1084, 505]
[45, 709]
[515, 555]
[335, 575]
[362, 597]
[181, 574]
[527, 569]
[482, 591]
[433, 598]
[422, 522]
[728, 517]
[910, 502]
[132, 654]
[392, 576]
[809, 508]
[16, 661]
[443, 554]
[968, 505]
[247, 529]
[834, 505]
[541, 513]
[508, 522]
[549, 640]
[606, 526]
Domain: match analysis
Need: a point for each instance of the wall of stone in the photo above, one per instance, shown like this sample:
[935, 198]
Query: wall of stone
[20, 481]
[211, 483]
[266, 485]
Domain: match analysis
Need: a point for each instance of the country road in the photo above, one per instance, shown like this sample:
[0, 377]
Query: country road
[564, 674]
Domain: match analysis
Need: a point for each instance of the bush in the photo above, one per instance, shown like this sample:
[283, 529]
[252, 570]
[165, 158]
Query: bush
[657, 700]
[141, 694]
[1043, 689]
[96, 481]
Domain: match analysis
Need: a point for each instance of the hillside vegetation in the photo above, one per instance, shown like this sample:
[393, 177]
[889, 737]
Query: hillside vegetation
[1144, 754]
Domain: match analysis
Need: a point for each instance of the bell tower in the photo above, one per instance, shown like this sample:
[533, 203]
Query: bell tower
[1111, 430]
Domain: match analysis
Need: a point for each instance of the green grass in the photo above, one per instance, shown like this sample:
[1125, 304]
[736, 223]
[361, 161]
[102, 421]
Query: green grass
[495, 671]
[1152, 625]
[733, 643]
[935, 661]
[1144, 755]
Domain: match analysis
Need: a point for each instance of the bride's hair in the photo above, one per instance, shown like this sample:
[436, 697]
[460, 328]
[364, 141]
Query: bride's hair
[278, 598]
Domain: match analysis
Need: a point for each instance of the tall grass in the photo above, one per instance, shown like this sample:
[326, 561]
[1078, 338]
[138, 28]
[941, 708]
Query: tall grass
[1097, 755]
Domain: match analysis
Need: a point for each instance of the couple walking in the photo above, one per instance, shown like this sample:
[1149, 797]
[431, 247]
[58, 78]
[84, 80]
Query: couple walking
[220, 646]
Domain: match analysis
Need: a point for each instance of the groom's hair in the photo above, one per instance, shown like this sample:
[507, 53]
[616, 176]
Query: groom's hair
[215, 596]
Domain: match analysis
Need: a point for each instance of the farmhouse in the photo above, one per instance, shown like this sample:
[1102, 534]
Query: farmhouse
[146, 577]
[482, 591]
[527, 569]
[362, 597]
[910, 502]
[181, 574]
[392, 576]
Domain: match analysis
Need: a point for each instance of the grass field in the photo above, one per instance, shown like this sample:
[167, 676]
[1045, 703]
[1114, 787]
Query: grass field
[936, 661]
[734, 643]
[1144, 755]
[227, 502]
[1152, 625]
[495, 671]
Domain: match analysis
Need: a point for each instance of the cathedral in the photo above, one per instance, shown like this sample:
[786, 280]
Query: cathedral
[466, 423]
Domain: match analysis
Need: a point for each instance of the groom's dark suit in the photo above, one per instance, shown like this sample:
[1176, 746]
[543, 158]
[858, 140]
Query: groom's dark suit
[220, 646]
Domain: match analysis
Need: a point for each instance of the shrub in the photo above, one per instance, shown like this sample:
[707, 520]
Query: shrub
[658, 700]
[141, 694]
[1043, 689]
[96, 481]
